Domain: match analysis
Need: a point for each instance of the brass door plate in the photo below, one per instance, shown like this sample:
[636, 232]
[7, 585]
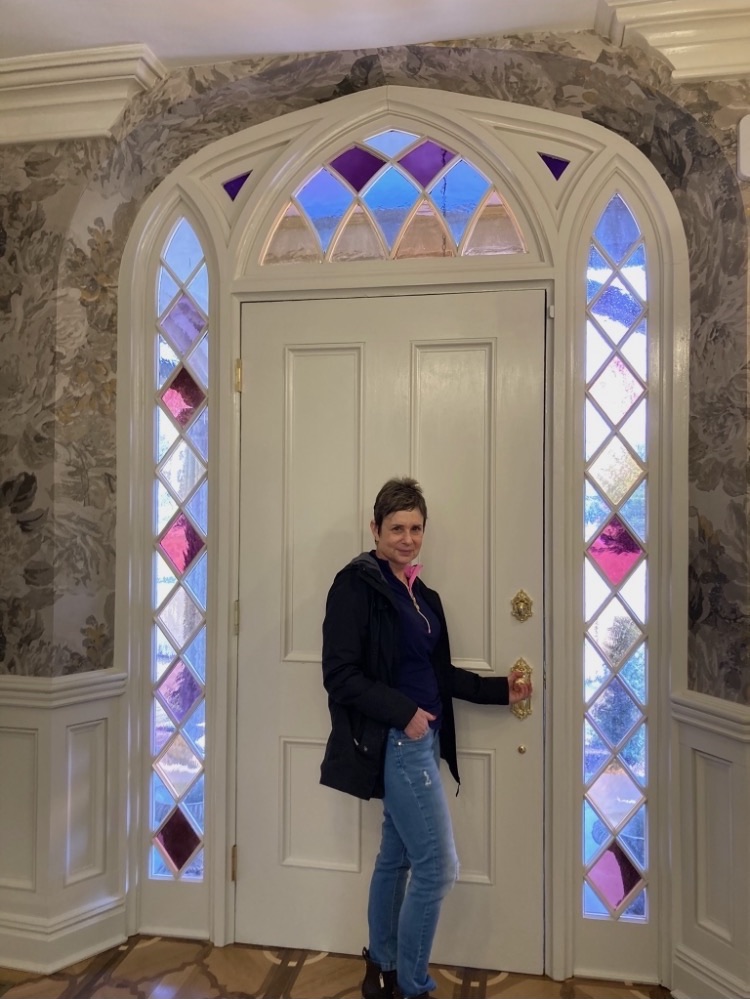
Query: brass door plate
[520, 606]
[522, 709]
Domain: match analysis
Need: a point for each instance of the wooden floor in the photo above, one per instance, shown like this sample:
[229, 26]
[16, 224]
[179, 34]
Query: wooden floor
[160, 968]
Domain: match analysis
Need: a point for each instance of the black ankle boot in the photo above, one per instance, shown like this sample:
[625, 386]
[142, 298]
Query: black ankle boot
[377, 984]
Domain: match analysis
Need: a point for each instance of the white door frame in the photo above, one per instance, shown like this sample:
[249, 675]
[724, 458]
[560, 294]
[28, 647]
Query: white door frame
[556, 218]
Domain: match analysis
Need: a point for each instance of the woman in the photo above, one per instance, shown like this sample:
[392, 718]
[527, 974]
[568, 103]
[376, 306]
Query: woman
[390, 682]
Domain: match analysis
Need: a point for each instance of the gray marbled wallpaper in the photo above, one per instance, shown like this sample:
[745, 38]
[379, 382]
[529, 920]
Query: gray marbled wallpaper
[65, 213]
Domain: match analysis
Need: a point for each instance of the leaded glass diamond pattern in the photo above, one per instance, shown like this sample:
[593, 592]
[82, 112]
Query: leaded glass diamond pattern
[393, 196]
[616, 567]
[180, 580]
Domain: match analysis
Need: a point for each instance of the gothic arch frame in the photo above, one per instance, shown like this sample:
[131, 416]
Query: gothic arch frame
[502, 136]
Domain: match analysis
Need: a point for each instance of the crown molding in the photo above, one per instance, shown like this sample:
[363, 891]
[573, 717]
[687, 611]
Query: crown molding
[699, 39]
[72, 95]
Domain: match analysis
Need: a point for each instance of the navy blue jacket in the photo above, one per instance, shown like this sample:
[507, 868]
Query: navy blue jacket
[361, 645]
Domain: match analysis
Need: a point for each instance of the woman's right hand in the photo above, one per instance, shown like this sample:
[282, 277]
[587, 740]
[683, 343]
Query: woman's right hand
[419, 724]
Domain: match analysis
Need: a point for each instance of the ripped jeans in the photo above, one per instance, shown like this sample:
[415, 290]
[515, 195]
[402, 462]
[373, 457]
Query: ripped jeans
[416, 846]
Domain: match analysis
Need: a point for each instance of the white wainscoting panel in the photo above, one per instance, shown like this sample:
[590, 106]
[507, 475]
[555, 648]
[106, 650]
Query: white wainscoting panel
[711, 953]
[62, 818]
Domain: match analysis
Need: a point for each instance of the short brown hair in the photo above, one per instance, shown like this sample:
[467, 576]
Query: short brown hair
[398, 494]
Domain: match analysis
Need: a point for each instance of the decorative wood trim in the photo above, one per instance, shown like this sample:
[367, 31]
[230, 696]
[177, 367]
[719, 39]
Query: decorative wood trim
[711, 714]
[72, 95]
[61, 691]
[699, 39]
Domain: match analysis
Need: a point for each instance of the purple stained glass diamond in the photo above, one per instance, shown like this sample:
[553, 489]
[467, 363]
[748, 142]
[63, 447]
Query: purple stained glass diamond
[615, 551]
[235, 185]
[357, 166]
[178, 839]
[614, 875]
[183, 396]
[181, 542]
[426, 161]
[183, 324]
[555, 164]
[179, 690]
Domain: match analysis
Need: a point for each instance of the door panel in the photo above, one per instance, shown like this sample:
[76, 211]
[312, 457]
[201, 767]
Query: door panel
[340, 395]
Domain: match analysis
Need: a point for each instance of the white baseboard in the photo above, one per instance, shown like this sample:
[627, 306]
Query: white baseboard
[695, 978]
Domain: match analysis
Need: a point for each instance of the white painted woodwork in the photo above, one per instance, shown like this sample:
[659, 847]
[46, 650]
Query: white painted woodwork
[62, 818]
[72, 95]
[743, 147]
[556, 218]
[712, 813]
[339, 396]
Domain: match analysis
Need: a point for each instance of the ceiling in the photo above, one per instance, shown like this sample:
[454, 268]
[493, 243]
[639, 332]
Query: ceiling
[181, 32]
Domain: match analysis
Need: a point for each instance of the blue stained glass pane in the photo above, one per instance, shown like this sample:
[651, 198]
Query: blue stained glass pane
[595, 590]
[598, 273]
[194, 870]
[634, 753]
[617, 229]
[198, 288]
[634, 269]
[634, 511]
[391, 142]
[162, 802]
[614, 712]
[595, 510]
[157, 866]
[633, 838]
[195, 654]
[592, 904]
[595, 752]
[183, 252]
[616, 310]
[637, 908]
[197, 581]
[595, 833]
[390, 199]
[198, 507]
[163, 652]
[194, 804]
[167, 290]
[634, 673]
[325, 199]
[457, 194]
[195, 728]
[198, 361]
[597, 429]
[198, 434]
[166, 361]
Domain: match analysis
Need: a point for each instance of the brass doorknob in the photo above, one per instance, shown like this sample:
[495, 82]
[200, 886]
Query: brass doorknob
[522, 709]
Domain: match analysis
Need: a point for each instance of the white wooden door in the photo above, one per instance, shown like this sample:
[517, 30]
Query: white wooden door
[340, 395]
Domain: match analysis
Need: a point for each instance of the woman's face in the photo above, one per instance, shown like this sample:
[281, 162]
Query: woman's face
[399, 538]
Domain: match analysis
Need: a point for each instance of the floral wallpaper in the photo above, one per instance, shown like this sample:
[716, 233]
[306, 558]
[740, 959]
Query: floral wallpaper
[66, 209]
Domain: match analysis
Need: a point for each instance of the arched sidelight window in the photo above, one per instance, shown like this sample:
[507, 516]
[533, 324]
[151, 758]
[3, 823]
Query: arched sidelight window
[395, 196]
[616, 569]
[180, 559]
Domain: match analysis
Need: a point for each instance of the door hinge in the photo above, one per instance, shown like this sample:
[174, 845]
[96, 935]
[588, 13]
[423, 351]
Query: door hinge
[236, 617]
[238, 375]
[234, 863]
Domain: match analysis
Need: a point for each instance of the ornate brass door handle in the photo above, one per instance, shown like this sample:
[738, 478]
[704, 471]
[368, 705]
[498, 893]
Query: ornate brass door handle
[522, 709]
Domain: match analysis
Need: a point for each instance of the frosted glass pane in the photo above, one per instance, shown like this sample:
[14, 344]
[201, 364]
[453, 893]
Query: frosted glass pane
[634, 672]
[616, 389]
[198, 288]
[163, 730]
[163, 652]
[595, 833]
[595, 752]
[633, 837]
[166, 433]
[180, 617]
[293, 241]
[166, 361]
[494, 231]
[198, 361]
[634, 753]
[595, 671]
[164, 579]
[595, 511]
[183, 252]
[164, 507]
[193, 871]
[634, 430]
[359, 239]
[167, 289]
[614, 794]
[615, 713]
[597, 429]
[597, 350]
[182, 470]
[634, 591]
[634, 511]
[635, 349]
[614, 631]
[425, 236]
[595, 589]
[615, 471]
[178, 766]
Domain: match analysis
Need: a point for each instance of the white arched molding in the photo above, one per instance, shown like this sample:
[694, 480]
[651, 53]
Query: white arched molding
[556, 218]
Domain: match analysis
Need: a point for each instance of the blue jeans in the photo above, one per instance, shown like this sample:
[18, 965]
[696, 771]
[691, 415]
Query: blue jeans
[416, 845]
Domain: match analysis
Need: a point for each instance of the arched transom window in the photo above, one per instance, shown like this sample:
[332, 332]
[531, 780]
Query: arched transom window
[393, 196]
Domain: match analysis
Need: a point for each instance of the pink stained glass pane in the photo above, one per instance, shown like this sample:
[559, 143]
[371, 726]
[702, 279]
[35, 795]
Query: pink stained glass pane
[615, 794]
[178, 839]
[425, 236]
[184, 323]
[181, 543]
[180, 617]
[293, 241]
[179, 690]
[615, 551]
[178, 766]
[614, 875]
[357, 166]
[183, 396]
[426, 161]
[616, 389]
[493, 232]
[359, 239]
